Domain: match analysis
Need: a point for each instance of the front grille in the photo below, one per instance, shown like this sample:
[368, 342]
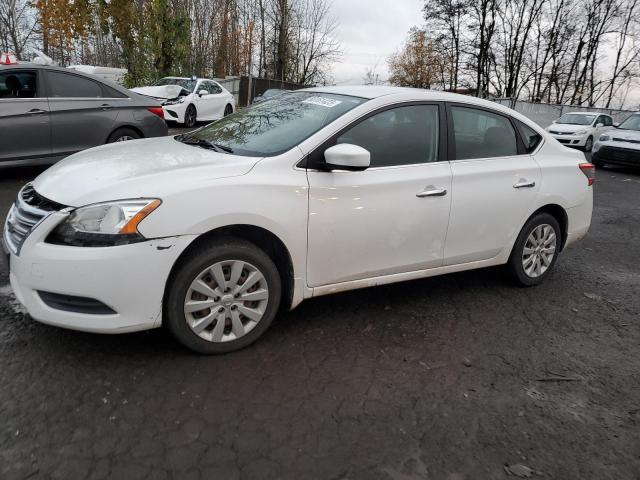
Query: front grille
[622, 156]
[562, 140]
[560, 133]
[29, 209]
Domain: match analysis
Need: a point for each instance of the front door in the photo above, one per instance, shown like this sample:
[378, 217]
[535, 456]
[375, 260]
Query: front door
[24, 116]
[494, 185]
[390, 218]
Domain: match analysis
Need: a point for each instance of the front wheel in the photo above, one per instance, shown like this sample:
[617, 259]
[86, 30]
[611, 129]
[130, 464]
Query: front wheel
[190, 117]
[228, 110]
[222, 297]
[536, 250]
[588, 145]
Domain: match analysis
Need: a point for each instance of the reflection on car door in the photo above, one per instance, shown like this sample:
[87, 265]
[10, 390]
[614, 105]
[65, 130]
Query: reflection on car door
[24, 116]
[390, 218]
[82, 115]
[494, 184]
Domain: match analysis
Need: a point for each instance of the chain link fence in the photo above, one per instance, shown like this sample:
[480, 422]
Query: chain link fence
[544, 113]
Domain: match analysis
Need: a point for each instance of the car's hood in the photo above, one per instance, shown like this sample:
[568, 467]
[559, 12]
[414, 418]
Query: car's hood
[135, 169]
[567, 128]
[622, 134]
[164, 91]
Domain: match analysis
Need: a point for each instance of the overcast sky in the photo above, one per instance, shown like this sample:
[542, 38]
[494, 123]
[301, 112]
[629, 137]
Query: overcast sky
[370, 31]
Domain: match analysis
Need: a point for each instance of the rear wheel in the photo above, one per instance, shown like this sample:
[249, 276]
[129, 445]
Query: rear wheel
[536, 250]
[123, 135]
[222, 297]
[228, 110]
[190, 117]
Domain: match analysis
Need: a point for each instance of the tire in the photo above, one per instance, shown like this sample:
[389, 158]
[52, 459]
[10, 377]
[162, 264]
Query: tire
[190, 116]
[228, 110]
[214, 328]
[123, 135]
[525, 276]
[588, 145]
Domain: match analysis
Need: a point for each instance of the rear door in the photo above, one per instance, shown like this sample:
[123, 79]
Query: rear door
[24, 116]
[495, 183]
[82, 114]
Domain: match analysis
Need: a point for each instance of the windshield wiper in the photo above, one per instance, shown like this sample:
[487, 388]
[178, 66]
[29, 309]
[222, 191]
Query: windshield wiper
[203, 143]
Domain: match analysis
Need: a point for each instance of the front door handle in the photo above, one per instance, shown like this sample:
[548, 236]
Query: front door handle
[36, 111]
[105, 106]
[522, 183]
[432, 191]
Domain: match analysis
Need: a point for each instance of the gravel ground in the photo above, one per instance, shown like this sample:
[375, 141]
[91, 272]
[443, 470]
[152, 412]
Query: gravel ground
[456, 377]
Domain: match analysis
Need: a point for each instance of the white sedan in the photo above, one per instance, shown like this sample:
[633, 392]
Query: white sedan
[191, 100]
[315, 192]
[580, 129]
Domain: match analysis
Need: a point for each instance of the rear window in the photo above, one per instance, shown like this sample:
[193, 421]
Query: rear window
[530, 137]
[65, 85]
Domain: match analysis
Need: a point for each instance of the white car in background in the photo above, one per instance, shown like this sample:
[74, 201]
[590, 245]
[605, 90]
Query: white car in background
[190, 100]
[580, 129]
[314, 192]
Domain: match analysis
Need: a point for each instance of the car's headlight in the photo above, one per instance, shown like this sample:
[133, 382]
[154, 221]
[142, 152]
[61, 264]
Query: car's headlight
[104, 224]
[581, 132]
[604, 138]
[174, 101]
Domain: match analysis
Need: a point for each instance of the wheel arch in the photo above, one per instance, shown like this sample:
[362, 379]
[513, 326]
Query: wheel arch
[262, 238]
[122, 127]
[560, 214]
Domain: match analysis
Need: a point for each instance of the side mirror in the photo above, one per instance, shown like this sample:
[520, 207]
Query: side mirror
[346, 156]
[616, 125]
[202, 92]
[554, 121]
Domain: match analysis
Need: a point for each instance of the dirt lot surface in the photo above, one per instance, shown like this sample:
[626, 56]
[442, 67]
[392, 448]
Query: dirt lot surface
[445, 378]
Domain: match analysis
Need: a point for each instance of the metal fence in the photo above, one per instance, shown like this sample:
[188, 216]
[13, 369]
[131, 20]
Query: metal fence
[239, 87]
[544, 113]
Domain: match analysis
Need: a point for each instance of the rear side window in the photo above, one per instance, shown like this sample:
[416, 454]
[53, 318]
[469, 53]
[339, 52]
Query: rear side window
[18, 84]
[399, 136]
[65, 85]
[112, 92]
[482, 134]
[530, 137]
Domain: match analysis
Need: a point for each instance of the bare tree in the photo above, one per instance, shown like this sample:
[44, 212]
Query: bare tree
[17, 26]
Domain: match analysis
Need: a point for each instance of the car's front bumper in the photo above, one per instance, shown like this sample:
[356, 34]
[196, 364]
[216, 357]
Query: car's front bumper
[129, 280]
[571, 140]
[617, 153]
[175, 113]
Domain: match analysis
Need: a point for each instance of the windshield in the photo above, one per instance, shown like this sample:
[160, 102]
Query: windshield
[576, 119]
[185, 83]
[631, 123]
[275, 126]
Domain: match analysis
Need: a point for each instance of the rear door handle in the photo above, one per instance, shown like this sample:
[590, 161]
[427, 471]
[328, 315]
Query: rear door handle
[431, 191]
[36, 111]
[522, 183]
[106, 106]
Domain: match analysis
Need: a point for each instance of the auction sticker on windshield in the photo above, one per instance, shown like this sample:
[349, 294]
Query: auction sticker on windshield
[323, 102]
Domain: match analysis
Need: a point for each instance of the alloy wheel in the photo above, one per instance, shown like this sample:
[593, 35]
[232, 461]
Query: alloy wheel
[125, 138]
[539, 250]
[226, 301]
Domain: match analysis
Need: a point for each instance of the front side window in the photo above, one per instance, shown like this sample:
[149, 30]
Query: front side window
[608, 121]
[214, 88]
[273, 127]
[18, 84]
[399, 136]
[65, 85]
[482, 134]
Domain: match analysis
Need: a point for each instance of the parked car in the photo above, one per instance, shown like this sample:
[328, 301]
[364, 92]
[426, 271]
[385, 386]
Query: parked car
[318, 191]
[268, 94]
[619, 145]
[48, 113]
[191, 100]
[580, 129]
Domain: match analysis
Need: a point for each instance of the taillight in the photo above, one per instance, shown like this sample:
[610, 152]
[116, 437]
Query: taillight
[589, 170]
[157, 111]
